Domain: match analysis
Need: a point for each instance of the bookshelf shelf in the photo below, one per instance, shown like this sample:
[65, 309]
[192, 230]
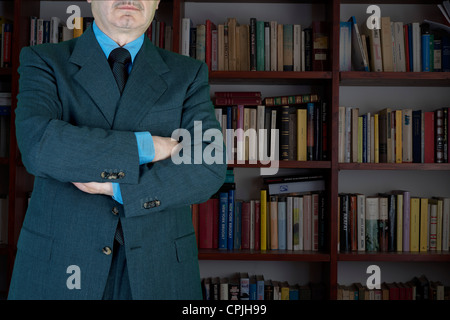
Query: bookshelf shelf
[261, 77]
[284, 164]
[394, 166]
[442, 256]
[270, 255]
[420, 79]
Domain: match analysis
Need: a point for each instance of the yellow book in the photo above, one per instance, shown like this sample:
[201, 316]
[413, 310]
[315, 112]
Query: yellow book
[440, 204]
[376, 139]
[263, 219]
[398, 136]
[414, 224]
[78, 27]
[284, 291]
[301, 134]
[423, 224]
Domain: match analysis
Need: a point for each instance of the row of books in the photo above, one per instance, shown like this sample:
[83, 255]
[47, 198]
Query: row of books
[393, 136]
[292, 218]
[257, 46]
[54, 30]
[6, 29]
[393, 46]
[241, 286]
[282, 132]
[3, 219]
[418, 288]
[394, 221]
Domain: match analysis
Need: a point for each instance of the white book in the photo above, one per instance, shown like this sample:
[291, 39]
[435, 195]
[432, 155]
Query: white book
[445, 224]
[185, 36]
[399, 43]
[55, 22]
[361, 223]
[289, 223]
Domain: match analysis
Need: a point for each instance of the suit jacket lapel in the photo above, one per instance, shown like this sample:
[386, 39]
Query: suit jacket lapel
[95, 75]
[144, 87]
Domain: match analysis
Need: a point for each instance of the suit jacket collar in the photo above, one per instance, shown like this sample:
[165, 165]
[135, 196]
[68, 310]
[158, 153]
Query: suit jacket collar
[144, 86]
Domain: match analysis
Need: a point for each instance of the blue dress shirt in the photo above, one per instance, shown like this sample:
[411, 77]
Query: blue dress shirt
[144, 140]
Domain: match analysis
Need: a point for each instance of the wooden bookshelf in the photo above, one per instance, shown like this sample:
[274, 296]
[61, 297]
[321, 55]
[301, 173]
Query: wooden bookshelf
[329, 82]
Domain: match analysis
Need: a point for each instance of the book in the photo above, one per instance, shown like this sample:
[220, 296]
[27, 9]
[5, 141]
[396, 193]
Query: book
[345, 46]
[358, 57]
[372, 217]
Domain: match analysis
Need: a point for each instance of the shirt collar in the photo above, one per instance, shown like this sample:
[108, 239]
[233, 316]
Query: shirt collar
[107, 44]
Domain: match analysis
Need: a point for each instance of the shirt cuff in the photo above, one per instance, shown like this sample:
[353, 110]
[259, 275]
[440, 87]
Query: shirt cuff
[116, 192]
[146, 148]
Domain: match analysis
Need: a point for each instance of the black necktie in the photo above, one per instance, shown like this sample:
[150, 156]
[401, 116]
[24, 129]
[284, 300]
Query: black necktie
[118, 60]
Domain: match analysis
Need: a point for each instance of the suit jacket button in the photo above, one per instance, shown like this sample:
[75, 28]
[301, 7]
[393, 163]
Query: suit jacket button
[115, 211]
[104, 175]
[112, 176]
[121, 174]
[106, 250]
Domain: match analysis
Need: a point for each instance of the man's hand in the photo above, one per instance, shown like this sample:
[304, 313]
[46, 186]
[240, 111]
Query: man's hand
[95, 187]
[163, 147]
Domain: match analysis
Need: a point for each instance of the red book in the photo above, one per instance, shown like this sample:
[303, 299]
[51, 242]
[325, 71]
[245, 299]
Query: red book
[194, 211]
[245, 225]
[257, 226]
[406, 36]
[215, 206]
[205, 220]
[429, 137]
[320, 46]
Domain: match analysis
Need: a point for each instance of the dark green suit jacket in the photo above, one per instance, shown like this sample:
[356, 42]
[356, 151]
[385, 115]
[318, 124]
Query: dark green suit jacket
[73, 126]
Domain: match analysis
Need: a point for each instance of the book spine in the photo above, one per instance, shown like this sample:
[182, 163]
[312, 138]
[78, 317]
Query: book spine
[439, 136]
[263, 219]
[223, 221]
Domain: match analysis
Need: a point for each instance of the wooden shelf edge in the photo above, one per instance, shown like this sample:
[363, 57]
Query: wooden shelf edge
[269, 255]
[394, 166]
[282, 164]
[270, 75]
[439, 256]
[362, 78]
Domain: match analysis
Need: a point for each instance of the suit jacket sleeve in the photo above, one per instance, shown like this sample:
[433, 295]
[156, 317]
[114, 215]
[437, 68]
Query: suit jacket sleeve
[174, 185]
[55, 148]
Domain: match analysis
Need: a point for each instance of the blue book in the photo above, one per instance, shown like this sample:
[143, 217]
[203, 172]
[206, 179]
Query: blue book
[253, 289]
[345, 46]
[259, 287]
[426, 52]
[223, 220]
[237, 223]
[282, 223]
[230, 237]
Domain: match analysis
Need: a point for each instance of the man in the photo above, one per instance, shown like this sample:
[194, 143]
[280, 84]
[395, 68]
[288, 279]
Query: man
[109, 217]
